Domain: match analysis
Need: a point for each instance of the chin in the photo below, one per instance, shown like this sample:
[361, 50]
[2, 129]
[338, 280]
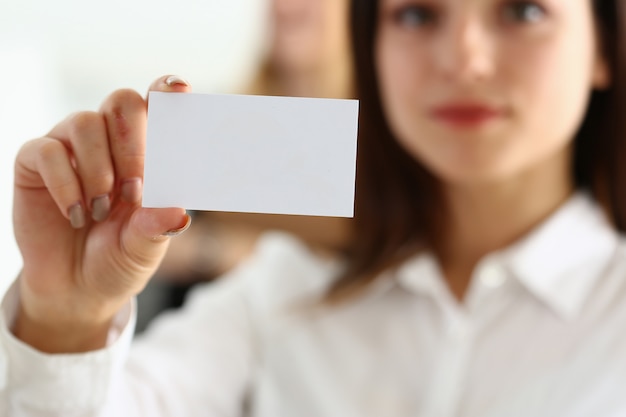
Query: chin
[474, 172]
[477, 159]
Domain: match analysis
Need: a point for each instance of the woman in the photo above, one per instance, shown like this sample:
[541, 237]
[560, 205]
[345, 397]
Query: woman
[489, 281]
[309, 50]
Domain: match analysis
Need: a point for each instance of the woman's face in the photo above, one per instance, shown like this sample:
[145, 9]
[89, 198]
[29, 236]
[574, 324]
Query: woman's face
[308, 33]
[480, 90]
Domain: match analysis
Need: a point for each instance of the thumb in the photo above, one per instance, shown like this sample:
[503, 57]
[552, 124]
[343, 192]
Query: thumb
[146, 238]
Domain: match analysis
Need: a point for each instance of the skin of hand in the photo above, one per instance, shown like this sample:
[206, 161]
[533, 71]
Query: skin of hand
[87, 244]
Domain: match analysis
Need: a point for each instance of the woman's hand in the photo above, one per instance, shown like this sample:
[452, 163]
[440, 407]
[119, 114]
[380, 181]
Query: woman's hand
[87, 244]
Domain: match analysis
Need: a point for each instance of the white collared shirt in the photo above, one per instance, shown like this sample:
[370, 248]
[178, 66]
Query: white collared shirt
[541, 333]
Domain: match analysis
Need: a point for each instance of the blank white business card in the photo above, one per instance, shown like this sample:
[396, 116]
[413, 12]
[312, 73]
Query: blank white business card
[255, 154]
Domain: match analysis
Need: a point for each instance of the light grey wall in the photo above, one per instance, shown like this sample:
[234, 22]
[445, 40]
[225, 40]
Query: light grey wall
[61, 56]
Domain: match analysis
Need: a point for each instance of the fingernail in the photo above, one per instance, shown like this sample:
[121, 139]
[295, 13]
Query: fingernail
[176, 80]
[176, 232]
[131, 190]
[100, 208]
[77, 216]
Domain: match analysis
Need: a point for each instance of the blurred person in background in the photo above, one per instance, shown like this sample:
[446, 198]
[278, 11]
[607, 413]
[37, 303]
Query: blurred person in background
[308, 56]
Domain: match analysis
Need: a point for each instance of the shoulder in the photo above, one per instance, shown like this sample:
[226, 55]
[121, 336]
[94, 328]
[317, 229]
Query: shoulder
[281, 271]
[619, 259]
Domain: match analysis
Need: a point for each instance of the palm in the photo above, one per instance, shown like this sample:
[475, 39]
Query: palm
[57, 255]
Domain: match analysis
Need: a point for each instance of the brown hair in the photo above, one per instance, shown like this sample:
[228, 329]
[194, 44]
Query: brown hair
[398, 210]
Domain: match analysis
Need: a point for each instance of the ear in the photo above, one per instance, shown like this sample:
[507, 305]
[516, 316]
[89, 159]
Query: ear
[601, 77]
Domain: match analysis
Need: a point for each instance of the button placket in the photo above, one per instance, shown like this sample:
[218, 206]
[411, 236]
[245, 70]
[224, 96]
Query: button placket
[447, 384]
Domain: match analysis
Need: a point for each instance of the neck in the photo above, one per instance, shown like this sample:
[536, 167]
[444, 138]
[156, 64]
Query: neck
[483, 218]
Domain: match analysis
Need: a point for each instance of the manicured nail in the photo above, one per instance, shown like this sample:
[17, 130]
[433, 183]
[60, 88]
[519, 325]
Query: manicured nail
[100, 208]
[131, 190]
[77, 216]
[180, 230]
[176, 80]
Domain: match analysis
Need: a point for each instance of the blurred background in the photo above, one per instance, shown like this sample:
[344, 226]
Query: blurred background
[67, 55]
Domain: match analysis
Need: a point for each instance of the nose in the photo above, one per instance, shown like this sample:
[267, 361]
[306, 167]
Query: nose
[465, 53]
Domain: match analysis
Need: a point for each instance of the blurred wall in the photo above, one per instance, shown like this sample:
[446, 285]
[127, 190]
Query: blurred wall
[61, 56]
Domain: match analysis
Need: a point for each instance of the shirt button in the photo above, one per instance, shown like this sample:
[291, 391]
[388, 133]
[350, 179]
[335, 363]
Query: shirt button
[492, 276]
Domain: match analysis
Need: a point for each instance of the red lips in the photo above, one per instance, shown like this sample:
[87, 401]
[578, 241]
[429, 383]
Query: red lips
[466, 115]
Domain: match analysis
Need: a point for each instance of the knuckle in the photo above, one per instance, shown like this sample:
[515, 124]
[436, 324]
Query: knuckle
[84, 124]
[49, 151]
[134, 159]
[124, 98]
[51, 155]
[28, 146]
[121, 113]
[63, 187]
[131, 165]
[102, 180]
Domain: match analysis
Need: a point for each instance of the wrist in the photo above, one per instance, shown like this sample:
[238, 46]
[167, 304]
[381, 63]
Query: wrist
[60, 337]
[61, 324]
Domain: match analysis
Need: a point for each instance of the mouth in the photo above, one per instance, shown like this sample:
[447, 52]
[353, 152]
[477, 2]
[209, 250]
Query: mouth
[466, 115]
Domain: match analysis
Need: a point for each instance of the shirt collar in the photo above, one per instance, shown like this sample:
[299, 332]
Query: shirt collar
[561, 260]
[558, 262]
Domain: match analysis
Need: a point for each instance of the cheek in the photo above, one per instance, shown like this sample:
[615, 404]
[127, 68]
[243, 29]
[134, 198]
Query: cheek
[552, 93]
[409, 85]
[402, 83]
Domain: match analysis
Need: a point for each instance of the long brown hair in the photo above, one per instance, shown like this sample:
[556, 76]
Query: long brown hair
[398, 208]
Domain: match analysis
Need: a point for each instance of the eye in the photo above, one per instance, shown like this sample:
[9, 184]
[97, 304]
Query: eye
[414, 16]
[524, 12]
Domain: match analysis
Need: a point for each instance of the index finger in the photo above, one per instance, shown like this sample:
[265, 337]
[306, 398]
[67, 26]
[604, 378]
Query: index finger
[125, 113]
